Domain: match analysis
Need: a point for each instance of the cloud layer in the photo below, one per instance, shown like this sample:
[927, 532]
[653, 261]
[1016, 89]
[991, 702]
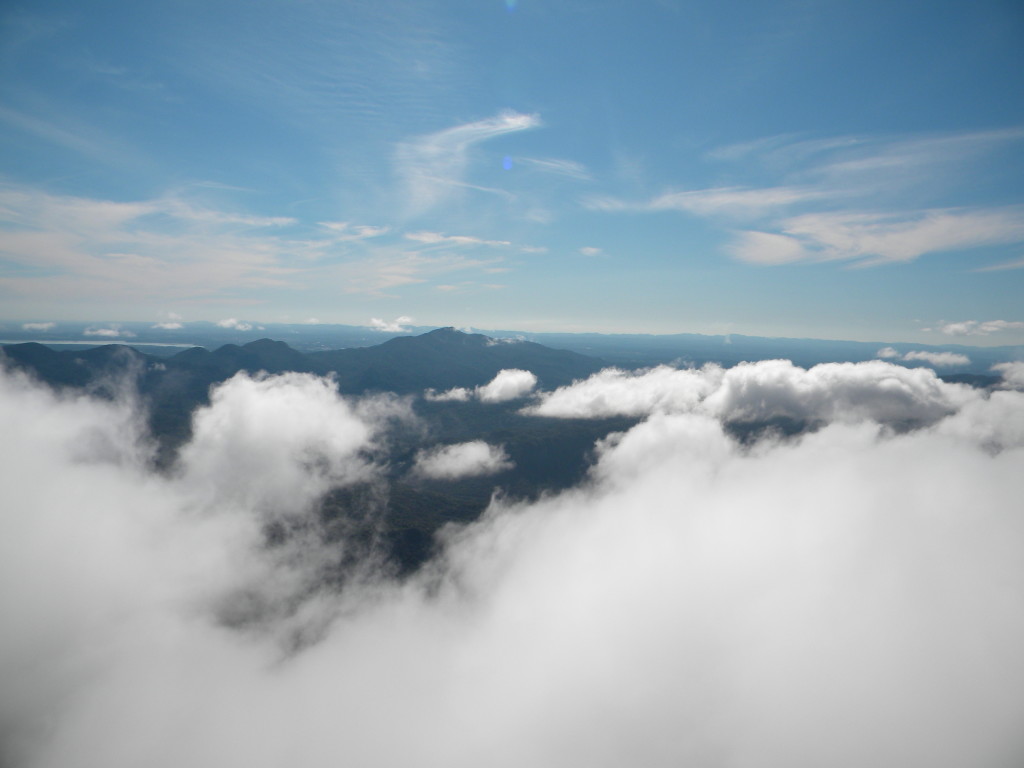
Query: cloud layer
[845, 598]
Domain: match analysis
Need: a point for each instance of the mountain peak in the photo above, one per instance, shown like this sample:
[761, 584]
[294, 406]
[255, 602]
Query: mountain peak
[265, 345]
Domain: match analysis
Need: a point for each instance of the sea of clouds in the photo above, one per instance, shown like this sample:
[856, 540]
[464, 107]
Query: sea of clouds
[851, 596]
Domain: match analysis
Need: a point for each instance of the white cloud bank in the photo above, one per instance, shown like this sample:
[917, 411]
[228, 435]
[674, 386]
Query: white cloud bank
[849, 598]
[769, 389]
[471, 459]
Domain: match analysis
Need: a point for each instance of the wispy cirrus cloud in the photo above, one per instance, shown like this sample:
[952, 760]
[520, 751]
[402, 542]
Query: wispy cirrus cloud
[344, 231]
[175, 249]
[438, 238]
[869, 238]
[853, 199]
[64, 246]
[569, 169]
[432, 166]
[724, 201]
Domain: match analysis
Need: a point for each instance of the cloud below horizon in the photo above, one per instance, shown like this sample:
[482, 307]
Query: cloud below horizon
[844, 598]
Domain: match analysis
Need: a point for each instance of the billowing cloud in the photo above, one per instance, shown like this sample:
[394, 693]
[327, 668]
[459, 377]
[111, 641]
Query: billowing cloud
[850, 597]
[887, 353]
[471, 459]
[614, 392]
[980, 328]
[508, 384]
[398, 325]
[1012, 373]
[761, 391]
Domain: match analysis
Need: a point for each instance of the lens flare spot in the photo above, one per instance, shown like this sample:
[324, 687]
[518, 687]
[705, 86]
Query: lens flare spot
[506, 163]
[510, 5]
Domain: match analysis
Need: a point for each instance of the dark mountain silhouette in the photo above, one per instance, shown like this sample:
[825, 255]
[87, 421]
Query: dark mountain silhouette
[548, 453]
[448, 358]
[173, 387]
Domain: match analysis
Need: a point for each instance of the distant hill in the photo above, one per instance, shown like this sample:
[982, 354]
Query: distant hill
[447, 358]
[173, 386]
[549, 454]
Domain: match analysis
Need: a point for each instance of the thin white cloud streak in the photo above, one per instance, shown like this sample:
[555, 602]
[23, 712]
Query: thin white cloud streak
[848, 598]
[1015, 264]
[980, 328]
[557, 167]
[941, 359]
[438, 238]
[387, 268]
[727, 201]
[432, 166]
[169, 326]
[344, 231]
[870, 239]
[938, 359]
[38, 326]
[450, 462]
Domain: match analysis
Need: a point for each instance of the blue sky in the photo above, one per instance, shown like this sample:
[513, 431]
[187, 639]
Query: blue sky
[828, 169]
